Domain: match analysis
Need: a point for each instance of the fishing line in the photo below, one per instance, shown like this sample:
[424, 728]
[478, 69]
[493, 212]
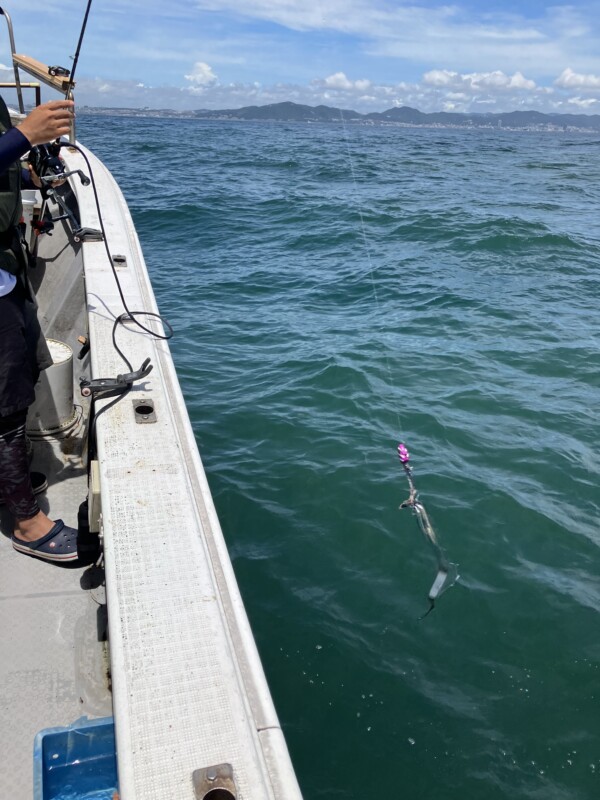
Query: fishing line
[365, 239]
[447, 572]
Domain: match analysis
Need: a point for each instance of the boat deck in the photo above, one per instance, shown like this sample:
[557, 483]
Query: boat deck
[54, 664]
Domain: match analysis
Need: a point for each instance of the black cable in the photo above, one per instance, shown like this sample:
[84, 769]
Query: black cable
[131, 315]
[128, 316]
[92, 435]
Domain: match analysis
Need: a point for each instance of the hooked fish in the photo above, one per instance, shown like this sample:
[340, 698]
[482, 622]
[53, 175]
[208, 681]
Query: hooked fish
[447, 573]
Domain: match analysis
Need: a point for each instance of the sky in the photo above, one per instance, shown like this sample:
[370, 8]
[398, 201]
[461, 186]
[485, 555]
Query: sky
[367, 55]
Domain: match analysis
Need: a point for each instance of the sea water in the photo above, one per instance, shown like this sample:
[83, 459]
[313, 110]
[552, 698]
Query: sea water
[337, 288]
[72, 793]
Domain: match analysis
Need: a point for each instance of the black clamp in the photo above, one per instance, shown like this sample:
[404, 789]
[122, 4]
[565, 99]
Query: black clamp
[116, 385]
[57, 71]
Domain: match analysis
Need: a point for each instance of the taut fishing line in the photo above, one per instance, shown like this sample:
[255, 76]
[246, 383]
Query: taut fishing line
[447, 572]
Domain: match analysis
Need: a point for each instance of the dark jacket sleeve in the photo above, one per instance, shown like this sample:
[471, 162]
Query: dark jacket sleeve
[13, 144]
[26, 182]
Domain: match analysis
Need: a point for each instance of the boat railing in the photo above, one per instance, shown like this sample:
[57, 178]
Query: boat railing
[47, 75]
[32, 85]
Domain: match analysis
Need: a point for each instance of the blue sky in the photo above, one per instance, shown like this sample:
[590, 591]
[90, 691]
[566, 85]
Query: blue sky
[369, 55]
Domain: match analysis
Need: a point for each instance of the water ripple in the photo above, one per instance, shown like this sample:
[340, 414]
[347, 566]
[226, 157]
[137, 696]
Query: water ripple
[440, 286]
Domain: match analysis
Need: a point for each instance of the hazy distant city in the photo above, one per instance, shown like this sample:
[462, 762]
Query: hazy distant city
[401, 116]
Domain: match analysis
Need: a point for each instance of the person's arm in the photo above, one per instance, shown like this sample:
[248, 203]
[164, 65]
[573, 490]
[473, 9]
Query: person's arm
[13, 145]
[44, 124]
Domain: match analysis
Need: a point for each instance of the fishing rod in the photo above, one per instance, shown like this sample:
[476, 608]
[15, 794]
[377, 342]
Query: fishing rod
[49, 167]
[77, 51]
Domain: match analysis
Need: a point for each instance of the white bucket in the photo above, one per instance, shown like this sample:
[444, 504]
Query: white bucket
[53, 411]
[29, 200]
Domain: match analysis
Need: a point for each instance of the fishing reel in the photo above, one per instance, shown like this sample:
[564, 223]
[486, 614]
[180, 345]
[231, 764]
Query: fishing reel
[46, 161]
[47, 164]
[51, 170]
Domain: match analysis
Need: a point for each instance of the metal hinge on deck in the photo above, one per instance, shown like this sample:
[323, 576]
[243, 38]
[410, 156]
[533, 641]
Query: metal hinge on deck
[215, 783]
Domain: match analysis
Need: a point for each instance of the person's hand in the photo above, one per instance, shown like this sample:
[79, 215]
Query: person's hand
[48, 121]
[35, 179]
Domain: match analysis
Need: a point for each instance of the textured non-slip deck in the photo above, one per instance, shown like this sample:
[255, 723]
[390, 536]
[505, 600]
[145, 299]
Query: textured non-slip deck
[53, 660]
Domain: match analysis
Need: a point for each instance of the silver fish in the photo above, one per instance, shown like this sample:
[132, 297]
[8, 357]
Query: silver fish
[447, 573]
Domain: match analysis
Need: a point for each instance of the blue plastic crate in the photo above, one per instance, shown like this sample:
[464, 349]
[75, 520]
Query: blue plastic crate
[77, 762]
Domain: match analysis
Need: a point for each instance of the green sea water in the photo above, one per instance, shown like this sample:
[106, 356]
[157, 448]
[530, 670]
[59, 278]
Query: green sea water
[335, 289]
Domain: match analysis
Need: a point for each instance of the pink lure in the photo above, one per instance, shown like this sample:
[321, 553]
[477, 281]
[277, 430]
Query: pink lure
[403, 453]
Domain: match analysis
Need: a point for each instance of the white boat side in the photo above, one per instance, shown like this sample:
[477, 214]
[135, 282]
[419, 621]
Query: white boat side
[189, 691]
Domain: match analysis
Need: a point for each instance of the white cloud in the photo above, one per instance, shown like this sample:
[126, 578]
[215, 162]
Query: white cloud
[441, 77]
[582, 103]
[498, 80]
[201, 74]
[339, 81]
[250, 39]
[473, 56]
[435, 90]
[475, 81]
[465, 93]
[572, 80]
[518, 81]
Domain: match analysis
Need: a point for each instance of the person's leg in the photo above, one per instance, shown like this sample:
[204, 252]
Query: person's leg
[15, 484]
[19, 370]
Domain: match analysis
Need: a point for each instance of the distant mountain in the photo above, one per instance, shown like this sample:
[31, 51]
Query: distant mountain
[404, 115]
[283, 112]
